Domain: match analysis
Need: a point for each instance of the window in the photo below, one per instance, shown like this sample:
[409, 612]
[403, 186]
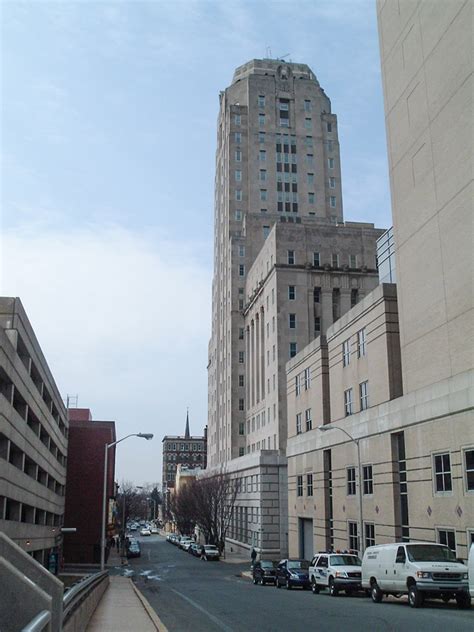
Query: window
[448, 538]
[292, 349]
[348, 402]
[308, 420]
[368, 481]
[238, 137]
[353, 536]
[266, 230]
[369, 529]
[237, 119]
[241, 357]
[261, 120]
[241, 333]
[332, 201]
[238, 195]
[242, 428]
[291, 257]
[238, 155]
[297, 385]
[331, 163]
[335, 260]
[316, 260]
[308, 141]
[354, 297]
[307, 378]
[299, 486]
[241, 380]
[330, 145]
[307, 123]
[310, 178]
[284, 107]
[353, 261]
[442, 468]
[311, 198]
[263, 195]
[307, 105]
[469, 462]
[309, 484]
[238, 216]
[361, 343]
[261, 100]
[291, 293]
[346, 352]
[262, 155]
[332, 183]
[238, 175]
[241, 270]
[298, 424]
[292, 321]
[263, 175]
[351, 481]
[261, 137]
[241, 451]
[364, 395]
[317, 295]
[241, 254]
[309, 159]
[329, 127]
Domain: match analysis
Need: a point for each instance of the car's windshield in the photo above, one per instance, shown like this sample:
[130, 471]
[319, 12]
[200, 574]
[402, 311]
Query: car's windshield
[345, 560]
[210, 547]
[429, 553]
[301, 564]
[267, 564]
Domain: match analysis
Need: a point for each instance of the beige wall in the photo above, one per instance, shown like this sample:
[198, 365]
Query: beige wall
[426, 54]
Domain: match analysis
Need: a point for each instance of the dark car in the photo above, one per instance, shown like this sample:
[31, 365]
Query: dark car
[195, 549]
[134, 550]
[293, 572]
[264, 572]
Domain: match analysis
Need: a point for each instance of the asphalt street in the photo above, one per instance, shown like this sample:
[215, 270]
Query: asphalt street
[191, 595]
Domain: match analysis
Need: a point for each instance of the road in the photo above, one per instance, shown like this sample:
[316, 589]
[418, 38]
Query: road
[190, 595]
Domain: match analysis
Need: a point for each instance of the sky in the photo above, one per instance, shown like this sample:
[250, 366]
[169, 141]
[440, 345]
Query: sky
[108, 138]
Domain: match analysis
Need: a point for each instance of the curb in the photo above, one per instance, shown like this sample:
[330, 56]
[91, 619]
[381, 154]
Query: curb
[157, 622]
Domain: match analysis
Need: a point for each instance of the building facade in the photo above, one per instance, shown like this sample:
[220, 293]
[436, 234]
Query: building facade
[33, 440]
[285, 267]
[187, 450]
[415, 425]
[84, 486]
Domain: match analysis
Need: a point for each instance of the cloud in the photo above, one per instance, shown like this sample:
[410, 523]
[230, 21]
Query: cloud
[123, 320]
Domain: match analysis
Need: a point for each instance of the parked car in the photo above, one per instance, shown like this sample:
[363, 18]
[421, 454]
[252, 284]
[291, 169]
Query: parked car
[133, 550]
[154, 531]
[212, 552]
[293, 572]
[145, 531]
[185, 542]
[335, 571]
[264, 572]
[419, 569]
[195, 549]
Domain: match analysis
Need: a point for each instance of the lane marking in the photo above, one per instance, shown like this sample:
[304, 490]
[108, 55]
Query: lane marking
[217, 621]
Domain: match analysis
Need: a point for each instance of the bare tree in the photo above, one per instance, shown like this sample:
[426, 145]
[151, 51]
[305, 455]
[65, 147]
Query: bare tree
[182, 508]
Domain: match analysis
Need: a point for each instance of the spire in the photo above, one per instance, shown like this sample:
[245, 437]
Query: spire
[186, 432]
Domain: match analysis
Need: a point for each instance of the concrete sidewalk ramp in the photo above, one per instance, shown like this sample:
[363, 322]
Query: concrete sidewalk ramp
[122, 609]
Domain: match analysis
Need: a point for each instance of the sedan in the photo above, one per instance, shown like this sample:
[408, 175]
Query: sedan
[293, 572]
[145, 531]
[195, 549]
[264, 572]
[211, 552]
[134, 550]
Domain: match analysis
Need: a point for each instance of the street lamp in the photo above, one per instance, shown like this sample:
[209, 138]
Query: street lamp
[357, 442]
[107, 447]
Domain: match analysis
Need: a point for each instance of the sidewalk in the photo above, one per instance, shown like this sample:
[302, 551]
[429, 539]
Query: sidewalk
[122, 609]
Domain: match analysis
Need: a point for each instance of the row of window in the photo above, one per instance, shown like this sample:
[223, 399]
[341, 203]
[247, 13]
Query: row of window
[308, 423]
[349, 404]
[186, 460]
[185, 447]
[21, 512]
[303, 380]
[361, 347]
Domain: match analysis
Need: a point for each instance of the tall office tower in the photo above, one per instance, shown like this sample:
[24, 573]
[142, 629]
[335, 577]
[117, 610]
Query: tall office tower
[280, 247]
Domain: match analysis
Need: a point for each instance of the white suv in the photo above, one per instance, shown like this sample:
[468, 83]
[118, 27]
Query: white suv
[335, 571]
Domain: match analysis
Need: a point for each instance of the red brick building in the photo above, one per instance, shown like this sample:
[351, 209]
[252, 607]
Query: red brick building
[84, 484]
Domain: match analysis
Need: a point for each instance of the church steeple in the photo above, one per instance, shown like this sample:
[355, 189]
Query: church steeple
[186, 431]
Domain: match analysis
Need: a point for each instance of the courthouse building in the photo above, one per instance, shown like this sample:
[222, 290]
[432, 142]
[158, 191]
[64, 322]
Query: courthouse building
[394, 376]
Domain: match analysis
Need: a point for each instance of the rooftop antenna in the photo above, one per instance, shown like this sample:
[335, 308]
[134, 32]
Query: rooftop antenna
[282, 57]
[269, 52]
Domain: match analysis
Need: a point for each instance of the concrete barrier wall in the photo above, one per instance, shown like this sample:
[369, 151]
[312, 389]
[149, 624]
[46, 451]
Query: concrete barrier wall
[80, 618]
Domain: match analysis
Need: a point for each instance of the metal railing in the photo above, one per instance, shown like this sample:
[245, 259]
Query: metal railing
[39, 623]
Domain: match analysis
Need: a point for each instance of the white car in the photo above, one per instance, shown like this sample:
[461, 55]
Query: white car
[212, 552]
[145, 531]
[470, 565]
[335, 571]
[154, 530]
[185, 543]
[419, 569]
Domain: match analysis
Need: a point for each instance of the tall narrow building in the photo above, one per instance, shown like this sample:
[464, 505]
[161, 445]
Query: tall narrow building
[285, 267]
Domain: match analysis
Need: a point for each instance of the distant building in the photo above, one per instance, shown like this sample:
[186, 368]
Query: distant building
[33, 440]
[84, 487]
[184, 475]
[187, 450]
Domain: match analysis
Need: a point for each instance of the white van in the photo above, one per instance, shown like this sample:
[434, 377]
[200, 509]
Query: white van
[470, 565]
[419, 569]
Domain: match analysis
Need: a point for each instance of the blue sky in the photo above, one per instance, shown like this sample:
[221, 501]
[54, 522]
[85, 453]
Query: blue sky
[108, 142]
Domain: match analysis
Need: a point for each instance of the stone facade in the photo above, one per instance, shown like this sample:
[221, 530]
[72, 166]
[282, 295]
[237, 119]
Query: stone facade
[33, 439]
[185, 450]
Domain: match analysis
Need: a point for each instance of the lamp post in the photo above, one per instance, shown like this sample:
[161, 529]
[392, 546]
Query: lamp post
[107, 447]
[359, 467]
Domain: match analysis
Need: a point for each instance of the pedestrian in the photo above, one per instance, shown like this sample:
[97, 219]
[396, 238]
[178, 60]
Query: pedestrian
[203, 553]
[253, 555]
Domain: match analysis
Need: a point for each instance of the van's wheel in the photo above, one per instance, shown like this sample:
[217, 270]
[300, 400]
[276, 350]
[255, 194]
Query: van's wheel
[415, 597]
[463, 600]
[333, 591]
[314, 588]
[376, 593]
